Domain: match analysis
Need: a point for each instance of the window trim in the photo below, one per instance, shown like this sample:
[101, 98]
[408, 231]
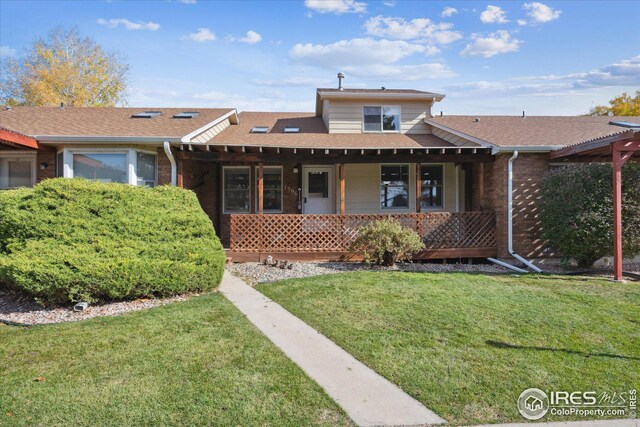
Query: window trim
[444, 191]
[224, 199]
[132, 160]
[389, 208]
[382, 107]
[21, 154]
[257, 202]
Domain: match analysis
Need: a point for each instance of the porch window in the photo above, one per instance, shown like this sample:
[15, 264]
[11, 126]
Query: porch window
[381, 119]
[103, 167]
[146, 169]
[236, 189]
[394, 186]
[17, 171]
[272, 188]
[432, 177]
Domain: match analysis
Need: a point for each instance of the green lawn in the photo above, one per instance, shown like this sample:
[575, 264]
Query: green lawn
[467, 345]
[196, 362]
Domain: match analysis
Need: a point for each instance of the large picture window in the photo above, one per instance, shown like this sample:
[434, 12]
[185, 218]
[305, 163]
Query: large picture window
[394, 186]
[432, 177]
[271, 189]
[381, 119]
[236, 189]
[17, 171]
[103, 167]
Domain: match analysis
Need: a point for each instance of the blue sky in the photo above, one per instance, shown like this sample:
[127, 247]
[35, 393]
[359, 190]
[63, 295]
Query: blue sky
[493, 57]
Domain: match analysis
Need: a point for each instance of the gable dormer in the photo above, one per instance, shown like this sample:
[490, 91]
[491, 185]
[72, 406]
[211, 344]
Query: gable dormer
[375, 110]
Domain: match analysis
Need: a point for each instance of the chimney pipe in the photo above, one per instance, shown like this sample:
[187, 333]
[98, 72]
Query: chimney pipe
[340, 78]
[523, 116]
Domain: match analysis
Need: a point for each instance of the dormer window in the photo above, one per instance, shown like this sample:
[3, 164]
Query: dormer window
[381, 119]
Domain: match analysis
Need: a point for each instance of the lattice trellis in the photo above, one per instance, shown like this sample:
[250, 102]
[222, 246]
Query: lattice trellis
[334, 233]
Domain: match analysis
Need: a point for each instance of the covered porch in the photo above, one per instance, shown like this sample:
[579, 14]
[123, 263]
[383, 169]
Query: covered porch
[308, 203]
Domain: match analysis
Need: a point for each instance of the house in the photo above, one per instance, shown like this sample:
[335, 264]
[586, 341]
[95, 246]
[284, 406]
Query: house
[300, 185]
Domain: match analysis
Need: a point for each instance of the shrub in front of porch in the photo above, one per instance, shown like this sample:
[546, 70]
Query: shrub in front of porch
[69, 240]
[386, 242]
[576, 211]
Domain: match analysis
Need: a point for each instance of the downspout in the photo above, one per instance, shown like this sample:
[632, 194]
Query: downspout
[172, 160]
[510, 218]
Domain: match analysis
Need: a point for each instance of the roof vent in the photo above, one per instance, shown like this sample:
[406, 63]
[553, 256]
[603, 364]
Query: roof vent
[8, 108]
[523, 115]
[291, 129]
[340, 78]
[62, 105]
[186, 115]
[260, 129]
[477, 120]
[146, 115]
[383, 88]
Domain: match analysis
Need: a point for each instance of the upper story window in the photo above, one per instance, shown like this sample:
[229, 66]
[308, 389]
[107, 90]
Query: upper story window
[381, 118]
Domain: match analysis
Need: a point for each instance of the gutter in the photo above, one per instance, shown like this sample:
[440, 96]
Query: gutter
[526, 149]
[91, 138]
[172, 160]
[510, 218]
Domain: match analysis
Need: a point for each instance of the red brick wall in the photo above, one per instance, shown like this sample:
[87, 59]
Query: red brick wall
[528, 171]
[48, 157]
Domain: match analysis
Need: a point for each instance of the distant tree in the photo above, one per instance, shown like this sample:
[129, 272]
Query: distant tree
[64, 67]
[623, 105]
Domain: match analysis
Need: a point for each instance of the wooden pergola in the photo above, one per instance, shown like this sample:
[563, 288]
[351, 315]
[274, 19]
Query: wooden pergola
[617, 149]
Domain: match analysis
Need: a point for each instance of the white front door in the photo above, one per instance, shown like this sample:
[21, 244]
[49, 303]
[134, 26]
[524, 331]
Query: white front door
[317, 190]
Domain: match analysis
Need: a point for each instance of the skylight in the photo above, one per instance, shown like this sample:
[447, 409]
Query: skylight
[291, 129]
[625, 124]
[260, 129]
[186, 115]
[146, 115]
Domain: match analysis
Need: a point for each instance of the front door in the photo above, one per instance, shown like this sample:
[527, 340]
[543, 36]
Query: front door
[317, 189]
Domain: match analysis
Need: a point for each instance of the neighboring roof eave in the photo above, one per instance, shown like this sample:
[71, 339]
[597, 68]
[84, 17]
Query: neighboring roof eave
[231, 115]
[594, 144]
[18, 139]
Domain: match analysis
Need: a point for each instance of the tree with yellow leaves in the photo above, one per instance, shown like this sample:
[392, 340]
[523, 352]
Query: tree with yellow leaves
[64, 68]
[623, 105]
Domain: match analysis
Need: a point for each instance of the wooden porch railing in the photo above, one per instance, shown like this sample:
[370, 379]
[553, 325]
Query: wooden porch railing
[295, 233]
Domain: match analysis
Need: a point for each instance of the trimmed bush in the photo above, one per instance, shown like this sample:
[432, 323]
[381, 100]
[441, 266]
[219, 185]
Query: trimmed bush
[576, 210]
[69, 240]
[386, 242]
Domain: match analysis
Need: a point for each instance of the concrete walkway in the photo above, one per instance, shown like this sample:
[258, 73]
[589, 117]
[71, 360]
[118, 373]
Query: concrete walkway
[368, 398]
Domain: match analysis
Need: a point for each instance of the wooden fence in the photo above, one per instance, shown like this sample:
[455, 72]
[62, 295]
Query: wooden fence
[464, 234]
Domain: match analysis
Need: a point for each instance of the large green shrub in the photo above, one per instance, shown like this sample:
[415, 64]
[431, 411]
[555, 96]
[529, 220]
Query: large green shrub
[68, 240]
[576, 210]
[386, 242]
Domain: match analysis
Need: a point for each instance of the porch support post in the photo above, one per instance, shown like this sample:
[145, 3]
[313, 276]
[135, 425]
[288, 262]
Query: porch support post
[418, 188]
[260, 188]
[180, 178]
[342, 201]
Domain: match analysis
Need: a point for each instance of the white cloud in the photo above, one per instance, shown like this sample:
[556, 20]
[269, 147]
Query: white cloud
[493, 15]
[336, 6]
[202, 35]
[541, 13]
[522, 22]
[292, 82]
[359, 52]
[402, 72]
[389, 3]
[492, 44]
[448, 11]
[251, 38]
[129, 25]
[419, 29]
[6, 51]
[188, 1]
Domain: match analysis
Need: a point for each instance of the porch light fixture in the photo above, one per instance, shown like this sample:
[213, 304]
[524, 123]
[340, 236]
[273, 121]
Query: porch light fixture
[260, 129]
[44, 165]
